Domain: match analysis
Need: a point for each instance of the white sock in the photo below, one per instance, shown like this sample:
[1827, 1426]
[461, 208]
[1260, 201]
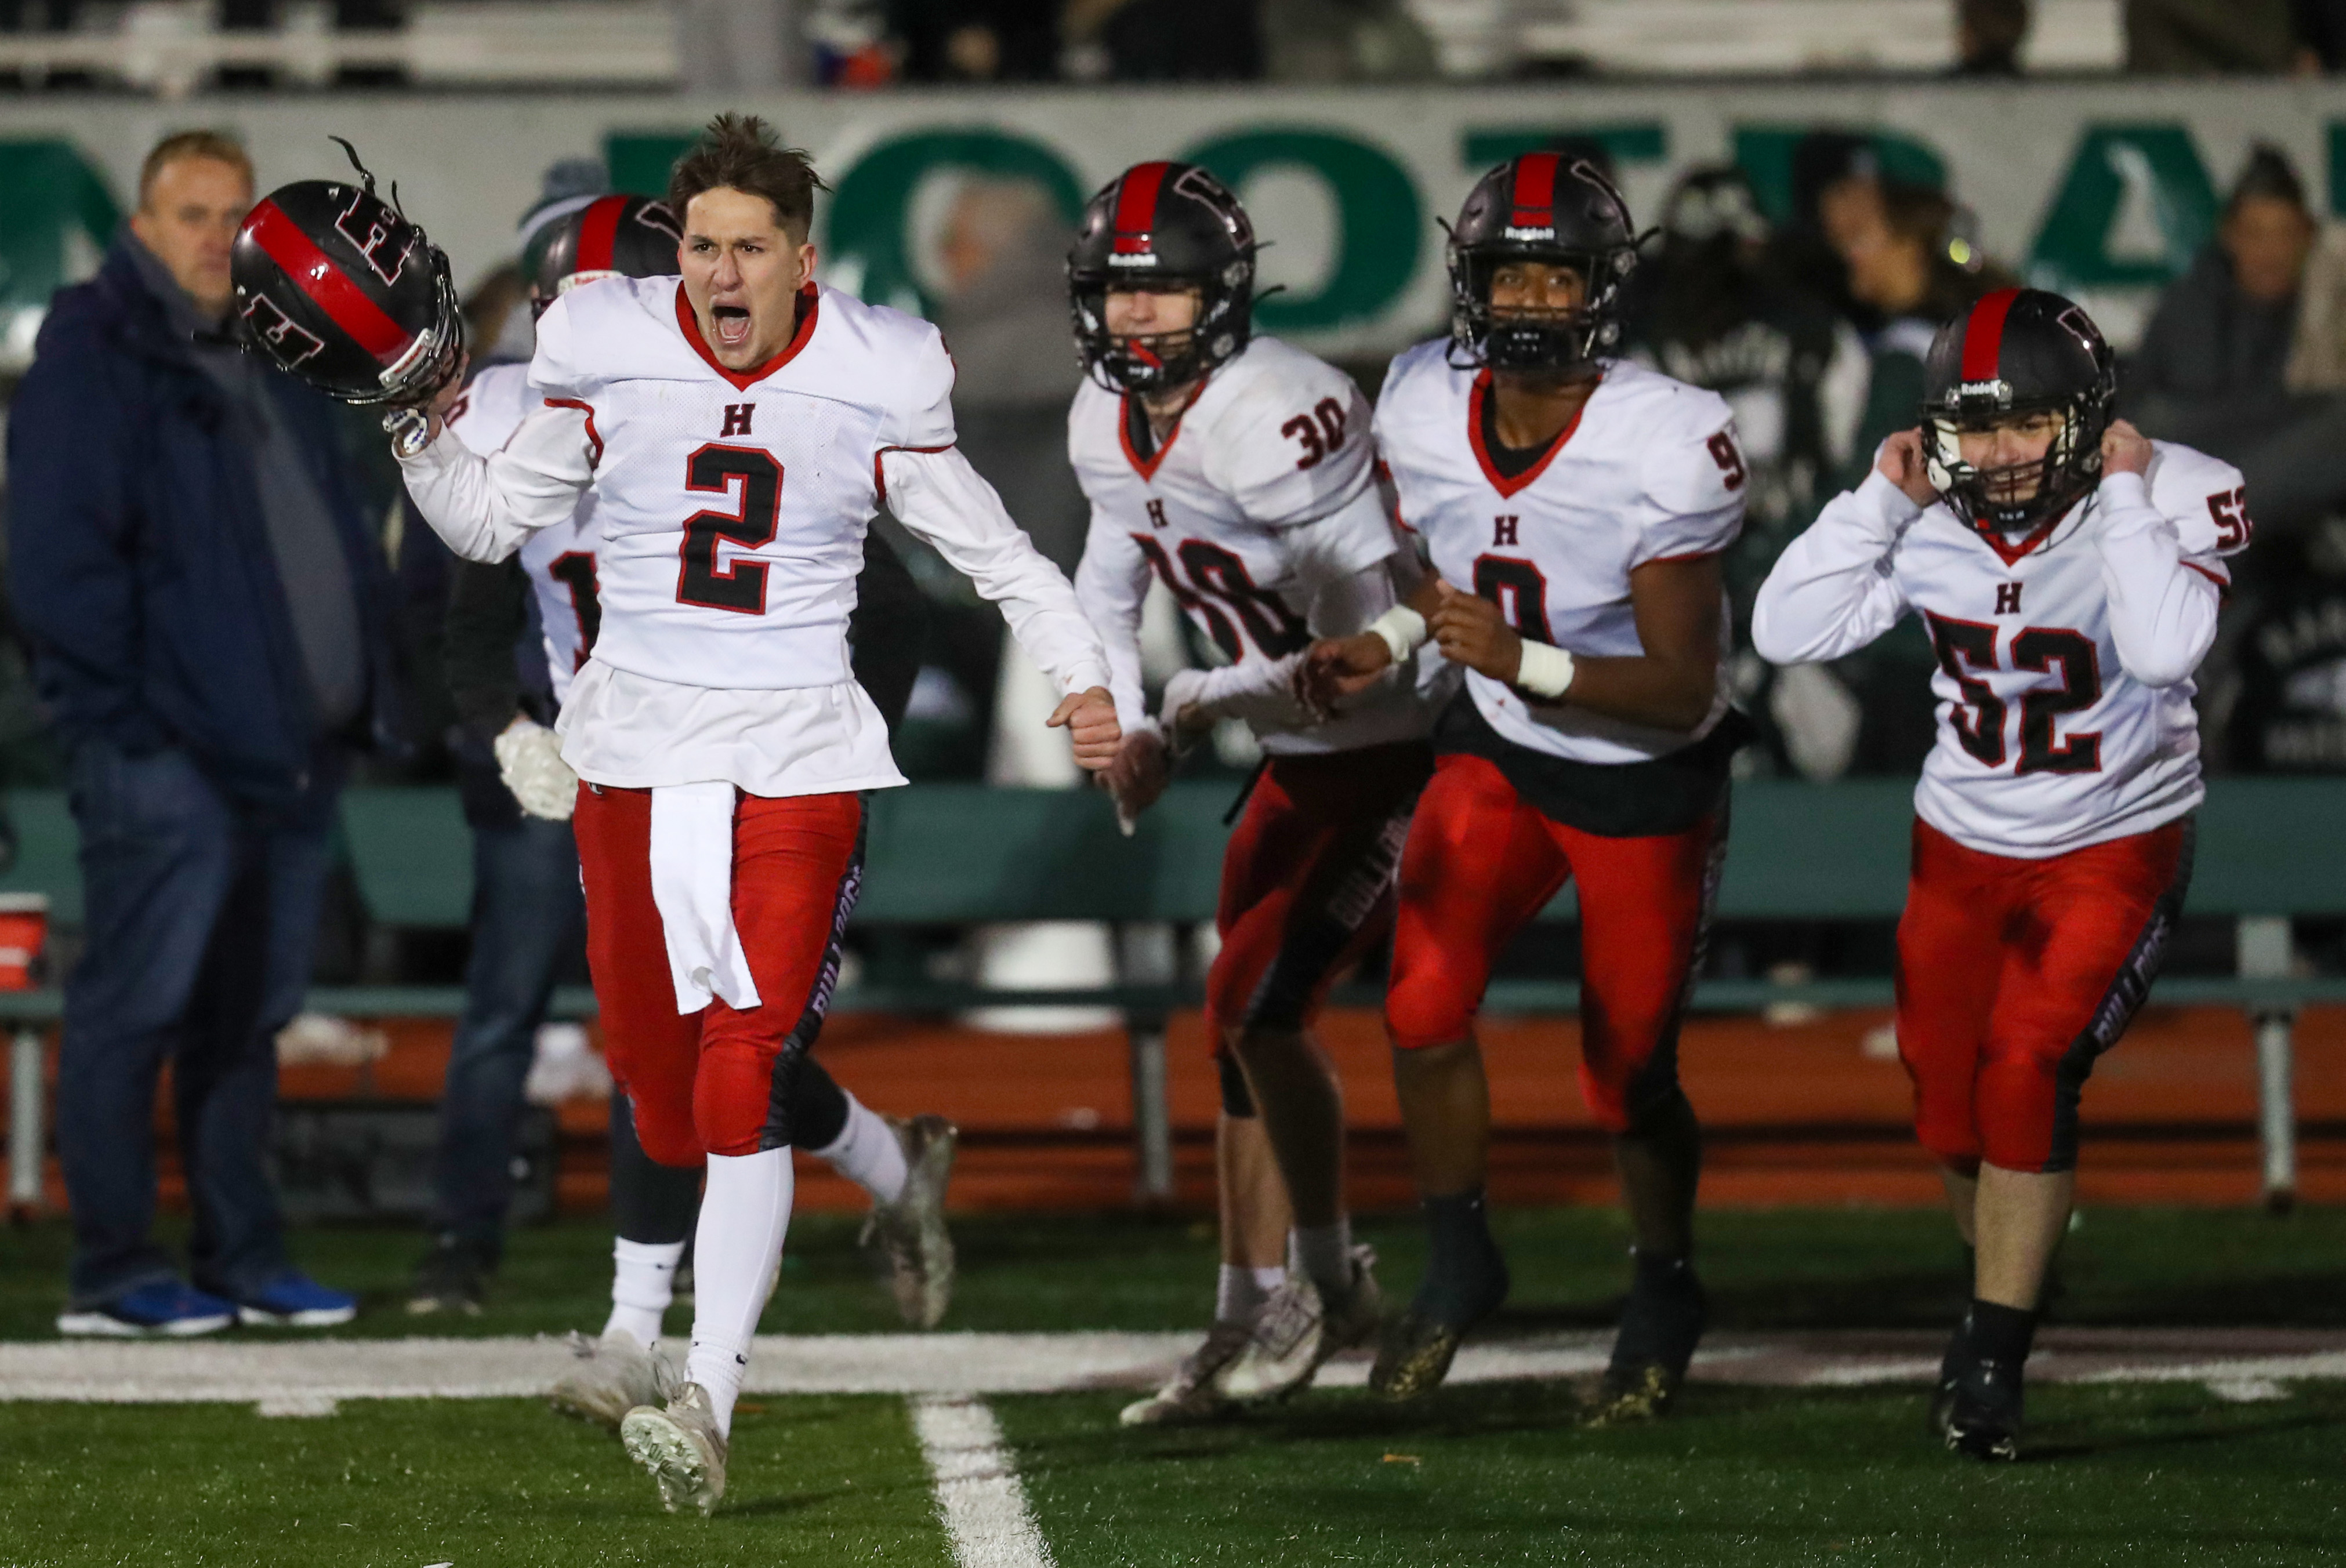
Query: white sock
[1323, 1255]
[1241, 1291]
[745, 1208]
[643, 1282]
[866, 1153]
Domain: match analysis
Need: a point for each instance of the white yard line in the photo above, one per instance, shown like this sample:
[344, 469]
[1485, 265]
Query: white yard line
[980, 1498]
[306, 1376]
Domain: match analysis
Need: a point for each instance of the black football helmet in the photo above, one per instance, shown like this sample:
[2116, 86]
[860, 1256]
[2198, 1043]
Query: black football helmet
[2017, 351]
[339, 289]
[610, 237]
[1542, 206]
[1162, 226]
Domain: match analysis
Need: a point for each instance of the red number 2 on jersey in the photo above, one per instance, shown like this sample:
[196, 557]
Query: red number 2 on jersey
[740, 587]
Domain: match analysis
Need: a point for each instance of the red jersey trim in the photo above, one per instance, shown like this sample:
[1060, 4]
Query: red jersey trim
[1147, 467]
[2223, 584]
[2011, 553]
[1500, 482]
[743, 380]
[594, 437]
[880, 479]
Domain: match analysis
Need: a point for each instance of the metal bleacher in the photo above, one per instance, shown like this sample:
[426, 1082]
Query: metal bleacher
[943, 855]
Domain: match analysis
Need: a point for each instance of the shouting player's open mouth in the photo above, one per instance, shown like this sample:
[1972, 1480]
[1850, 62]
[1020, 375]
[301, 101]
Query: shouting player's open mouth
[734, 325]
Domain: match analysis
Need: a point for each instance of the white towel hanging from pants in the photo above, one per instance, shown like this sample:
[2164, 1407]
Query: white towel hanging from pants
[692, 884]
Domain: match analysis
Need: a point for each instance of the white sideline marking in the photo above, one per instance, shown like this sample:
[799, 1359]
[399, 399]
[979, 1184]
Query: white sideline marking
[297, 1406]
[308, 1376]
[2246, 1390]
[980, 1498]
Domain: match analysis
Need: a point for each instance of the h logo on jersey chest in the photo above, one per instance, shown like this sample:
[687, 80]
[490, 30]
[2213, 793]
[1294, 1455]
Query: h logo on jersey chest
[2007, 599]
[737, 419]
[1155, 513]
[1503, 532]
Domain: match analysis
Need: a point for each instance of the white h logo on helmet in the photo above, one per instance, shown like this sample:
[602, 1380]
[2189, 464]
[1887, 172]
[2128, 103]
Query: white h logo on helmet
[373, 240]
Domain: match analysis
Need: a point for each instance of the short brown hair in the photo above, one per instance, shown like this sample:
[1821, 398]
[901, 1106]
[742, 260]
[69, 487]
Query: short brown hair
[186, 144]
[741, 151]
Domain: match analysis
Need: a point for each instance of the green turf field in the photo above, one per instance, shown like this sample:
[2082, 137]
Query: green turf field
[1501, 1474]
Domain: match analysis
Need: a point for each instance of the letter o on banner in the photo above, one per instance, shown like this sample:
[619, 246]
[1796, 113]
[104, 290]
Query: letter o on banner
[1380, 221]
[868, 243]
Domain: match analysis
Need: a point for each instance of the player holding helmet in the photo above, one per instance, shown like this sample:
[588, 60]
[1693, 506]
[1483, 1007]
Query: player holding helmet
[1239, 473]
[530, 880]
[1574, 506]
[2069, 573]
[738, 429]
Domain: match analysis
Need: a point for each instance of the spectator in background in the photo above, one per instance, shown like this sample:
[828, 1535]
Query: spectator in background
[977, 40]
[2245, 356]
[1713, 315]
[2318, 27]
[206, 605]
[1988, 35]
[2208, 37]
[1162, 40]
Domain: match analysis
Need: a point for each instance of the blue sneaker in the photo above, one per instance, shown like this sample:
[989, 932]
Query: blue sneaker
[294, 1300]
[162, 1309]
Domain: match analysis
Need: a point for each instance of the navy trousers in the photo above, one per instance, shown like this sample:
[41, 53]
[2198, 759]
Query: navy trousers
[528, 911]
[202, 916]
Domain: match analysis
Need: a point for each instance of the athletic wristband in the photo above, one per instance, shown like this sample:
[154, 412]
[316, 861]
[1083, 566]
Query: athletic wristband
[1546, 670]
[1403, 629]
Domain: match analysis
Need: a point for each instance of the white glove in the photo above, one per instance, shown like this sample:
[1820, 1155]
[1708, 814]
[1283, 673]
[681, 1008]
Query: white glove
[530, 760]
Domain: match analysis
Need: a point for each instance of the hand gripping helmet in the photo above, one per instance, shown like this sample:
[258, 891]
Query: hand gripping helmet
[1162, 226]
[341, 291]
[1542, 206]
[2017, 351]
[610, 237]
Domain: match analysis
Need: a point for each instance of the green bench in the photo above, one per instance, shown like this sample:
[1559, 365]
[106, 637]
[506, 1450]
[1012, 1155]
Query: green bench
[941, 855]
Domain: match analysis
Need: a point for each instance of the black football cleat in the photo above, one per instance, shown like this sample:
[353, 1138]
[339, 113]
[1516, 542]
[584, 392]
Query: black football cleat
[1413, 1356]
[1661, 1323]
[1983, 1411]
[1951, 1367]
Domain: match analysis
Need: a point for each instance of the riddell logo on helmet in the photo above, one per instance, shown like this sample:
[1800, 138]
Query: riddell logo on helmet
[1514, 233]
[372, 240]
[1144, 259]
[2000, 389]
[292, 342]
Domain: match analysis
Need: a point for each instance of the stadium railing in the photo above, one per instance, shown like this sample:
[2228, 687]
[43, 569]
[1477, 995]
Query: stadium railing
[947, 855]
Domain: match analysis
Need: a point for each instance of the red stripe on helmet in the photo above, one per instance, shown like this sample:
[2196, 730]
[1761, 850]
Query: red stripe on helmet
[314, 273]
[1135, 206]
[1535, 189]
[598, 231]
[1983, 335]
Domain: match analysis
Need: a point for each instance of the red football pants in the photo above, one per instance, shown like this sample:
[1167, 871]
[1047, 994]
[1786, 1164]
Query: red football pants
[718, 1082]
[1482, 862]
[1307, 881]
[2014, 975]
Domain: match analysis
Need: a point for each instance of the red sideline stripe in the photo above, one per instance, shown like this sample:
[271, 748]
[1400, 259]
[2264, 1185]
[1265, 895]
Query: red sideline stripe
[1135, 206]
[315, 274]
[1535, 189]
[596, 231]
[1984, 337]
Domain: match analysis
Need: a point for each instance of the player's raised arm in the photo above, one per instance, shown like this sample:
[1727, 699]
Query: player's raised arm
[1830, 593]
[2163, 603]
[939, 496]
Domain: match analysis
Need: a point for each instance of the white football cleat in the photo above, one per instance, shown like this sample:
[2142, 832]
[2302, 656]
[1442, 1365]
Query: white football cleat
[1194, 1393]
[1298, 1330]
[909, 1236]
[680, 1445]
[613, 1375]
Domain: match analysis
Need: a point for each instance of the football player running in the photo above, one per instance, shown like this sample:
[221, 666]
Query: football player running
[1574, 505]
[2069, 573]
[1239, 473]
[737, 429]
[533, 879]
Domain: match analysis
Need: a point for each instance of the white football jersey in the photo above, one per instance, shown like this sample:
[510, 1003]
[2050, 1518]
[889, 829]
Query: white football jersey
[1648, 472]
[1265, 493]
[2065, 659]
[560, 562]
[733, 504]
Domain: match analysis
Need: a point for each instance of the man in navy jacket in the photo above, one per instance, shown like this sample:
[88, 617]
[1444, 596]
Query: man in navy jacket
[189, 556]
